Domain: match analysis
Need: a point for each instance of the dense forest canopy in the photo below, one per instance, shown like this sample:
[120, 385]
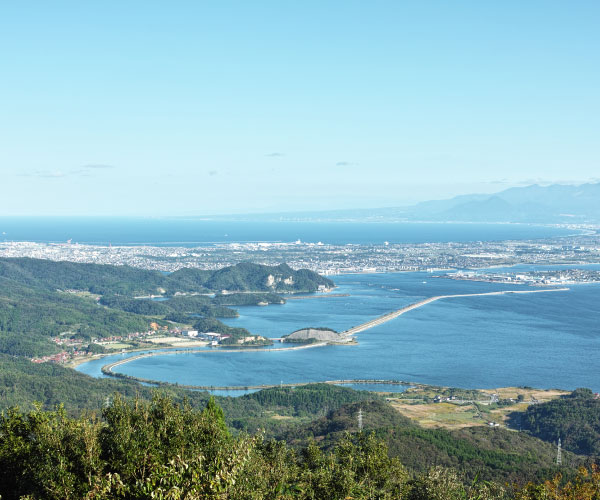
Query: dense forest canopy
[574, 419]
[160, 449]
[41, 299]
[129, 281]
[320, 412]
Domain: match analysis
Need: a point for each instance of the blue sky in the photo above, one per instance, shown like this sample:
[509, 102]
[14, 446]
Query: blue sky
[179, 108]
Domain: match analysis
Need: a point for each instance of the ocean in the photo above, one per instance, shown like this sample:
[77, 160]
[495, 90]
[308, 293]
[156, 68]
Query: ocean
[177, 231]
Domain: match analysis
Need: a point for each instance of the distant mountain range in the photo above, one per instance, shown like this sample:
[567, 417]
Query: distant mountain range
[555, 203]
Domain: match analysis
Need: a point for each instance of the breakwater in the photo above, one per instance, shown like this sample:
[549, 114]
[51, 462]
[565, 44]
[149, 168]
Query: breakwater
[108, 369]
[394, 314]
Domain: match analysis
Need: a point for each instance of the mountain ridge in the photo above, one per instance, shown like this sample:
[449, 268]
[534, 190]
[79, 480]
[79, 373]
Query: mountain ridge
[552, 204]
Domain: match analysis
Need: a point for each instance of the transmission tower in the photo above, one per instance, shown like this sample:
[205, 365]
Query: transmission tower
[360, 422]
[559, 453]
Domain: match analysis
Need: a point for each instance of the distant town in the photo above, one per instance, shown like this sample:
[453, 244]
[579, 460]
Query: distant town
[535, 278]
[326, 259]
[78, 350]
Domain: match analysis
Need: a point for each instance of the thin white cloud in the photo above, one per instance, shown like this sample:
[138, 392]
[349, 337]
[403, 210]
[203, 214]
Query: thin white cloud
[48, 174]
[83, 171]
[345, 164]
[98, 166]
[274, 155]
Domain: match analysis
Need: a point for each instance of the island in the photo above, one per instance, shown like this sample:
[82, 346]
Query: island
[313, 335]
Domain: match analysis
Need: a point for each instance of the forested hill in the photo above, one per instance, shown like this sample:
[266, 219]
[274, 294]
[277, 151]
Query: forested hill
[487, 453]
[29, 315]
[40, 299]
[245, 277]
[124, 280]
[27, 442]
[575, 419]
[162, 450]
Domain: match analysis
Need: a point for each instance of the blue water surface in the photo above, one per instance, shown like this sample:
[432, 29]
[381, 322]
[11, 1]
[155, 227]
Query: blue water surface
[546, 340]
[194, 231]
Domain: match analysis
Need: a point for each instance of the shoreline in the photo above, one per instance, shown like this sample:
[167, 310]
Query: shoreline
[589, 229]
[108, 369]
[157, 351]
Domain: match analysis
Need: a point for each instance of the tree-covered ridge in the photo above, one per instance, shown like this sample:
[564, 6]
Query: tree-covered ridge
[319, 412]
[182, 305]
[30, 315]
[94, 278]
[160, 449]
[256, 277]
[248, 299]
[575, 419]
[22, 383]
[41, 299]
[128, 281]
[490, 454]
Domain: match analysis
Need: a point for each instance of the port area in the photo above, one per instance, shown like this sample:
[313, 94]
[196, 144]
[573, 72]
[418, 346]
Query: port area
[451, 408]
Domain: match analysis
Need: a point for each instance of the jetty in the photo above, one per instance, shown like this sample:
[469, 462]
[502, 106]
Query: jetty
[394, 314]
[108, 369]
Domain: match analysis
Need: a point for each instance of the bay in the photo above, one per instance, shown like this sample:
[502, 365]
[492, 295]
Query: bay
[546, 340]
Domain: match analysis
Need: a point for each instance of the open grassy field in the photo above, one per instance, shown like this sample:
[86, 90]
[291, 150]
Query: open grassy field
[117, 345]
[468, 407]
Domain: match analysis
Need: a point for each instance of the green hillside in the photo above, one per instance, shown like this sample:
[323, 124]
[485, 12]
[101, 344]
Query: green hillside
[164, 450]
[490, 454]
[40, 299]
[129, 281]
[575, 419]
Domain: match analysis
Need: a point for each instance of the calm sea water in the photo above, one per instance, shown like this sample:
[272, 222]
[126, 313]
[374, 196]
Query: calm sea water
[547, 340]
[180, 231]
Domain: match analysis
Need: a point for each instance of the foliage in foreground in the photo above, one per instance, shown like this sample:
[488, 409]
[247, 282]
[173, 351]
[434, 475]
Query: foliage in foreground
[162, 450]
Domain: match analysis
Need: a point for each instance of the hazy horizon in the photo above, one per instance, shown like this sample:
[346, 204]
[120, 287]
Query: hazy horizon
[237, 108]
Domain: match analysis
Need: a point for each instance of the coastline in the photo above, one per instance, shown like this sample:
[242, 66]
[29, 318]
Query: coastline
[108, 369]
[157, 351]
